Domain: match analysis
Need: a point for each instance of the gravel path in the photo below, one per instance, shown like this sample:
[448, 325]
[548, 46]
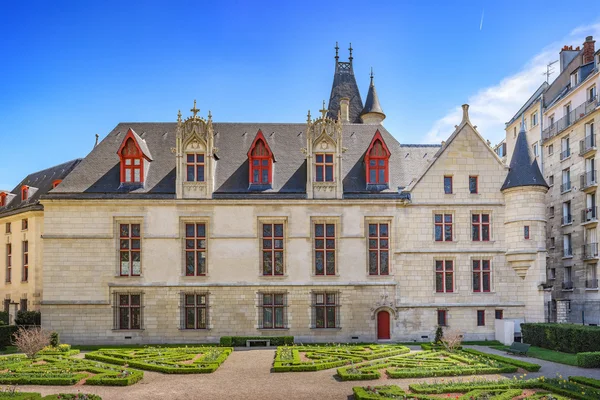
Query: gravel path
[246, 375]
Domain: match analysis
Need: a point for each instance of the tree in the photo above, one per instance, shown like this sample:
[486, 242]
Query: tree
[31, 341]
[439, 334]
[452, 340]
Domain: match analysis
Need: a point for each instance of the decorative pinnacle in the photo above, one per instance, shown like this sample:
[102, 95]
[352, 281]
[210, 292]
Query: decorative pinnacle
[465, 118]
[209, 115]
[323, 110]
[179, 116]
[194, 110]
[337, 48]
[308, 117]
[350, 58]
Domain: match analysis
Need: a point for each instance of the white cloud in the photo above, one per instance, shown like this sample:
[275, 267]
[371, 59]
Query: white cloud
[491, 107]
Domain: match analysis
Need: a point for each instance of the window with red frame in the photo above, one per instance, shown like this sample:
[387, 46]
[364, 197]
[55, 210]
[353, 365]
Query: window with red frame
[379, 245]
[442, 318]
[444, 276]
[196, 311]
[132, 164]
[324, 167]
[25, 274]
[325, 310]
[56, 183]
[481, 275]
[324, 249]
[260, 163]
[499, 314]
[443, 227]
[8, 278]
[473, 185]
[447, 184]
[195, 167]
[526, 231]
[480, 317]
[480, 227]
[130, 250]
[195, 249]
[129, 311]
[2, 199]
[24, 193]
[272, 249]
[377, 164]
[273, 311]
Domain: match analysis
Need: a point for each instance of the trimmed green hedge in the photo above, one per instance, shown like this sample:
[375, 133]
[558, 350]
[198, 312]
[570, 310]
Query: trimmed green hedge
[4, 317]
[239, 341]
[568, 338]
[386, 392]
[588, 359]
[28, 318]
[586, 381]
[6, 334]
[506, 360]
[37, 396]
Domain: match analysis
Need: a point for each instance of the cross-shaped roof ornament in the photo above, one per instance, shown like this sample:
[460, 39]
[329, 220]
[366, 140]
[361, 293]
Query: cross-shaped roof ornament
[323, 110]
[194, 110]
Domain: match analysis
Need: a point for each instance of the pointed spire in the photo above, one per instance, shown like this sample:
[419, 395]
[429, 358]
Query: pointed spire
[179, 116]
[344, 86]
[372, 105]
[524, 169]
[308, 119]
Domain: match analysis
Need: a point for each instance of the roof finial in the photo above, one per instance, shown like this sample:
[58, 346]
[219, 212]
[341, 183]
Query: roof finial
[337, 48]
[350, 58]
[308, 117]
[97, 136]
[465, 118]
[371, 76]
[179, 116]
[209, 115]
[323, 110]
[194, 110]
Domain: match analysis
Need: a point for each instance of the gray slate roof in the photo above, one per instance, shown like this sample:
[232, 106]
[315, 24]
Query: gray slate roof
[344, 85]
[524, 169]
[42, 181]
[98, 174]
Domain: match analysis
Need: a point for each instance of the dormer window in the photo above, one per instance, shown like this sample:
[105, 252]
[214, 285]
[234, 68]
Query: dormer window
[133, 154]
[24, 192]
[56, 183]
[2, 199]
[574, 79]
[377, 161]
[195, 167]
[260, 159]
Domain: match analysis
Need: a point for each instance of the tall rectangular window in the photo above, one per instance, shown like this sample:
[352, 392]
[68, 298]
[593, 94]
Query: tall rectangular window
[325, 249]
[526, 232]
[325, 310]
[195, 167]
[480, 317]
[195, 310]
[8, 262]
[442, 318]
[481, 276]
[499, 314]
[447, 184]
[272, 243]
[273, 310]
[444, 276]
[567, 248]
[7, 227]
[23, 305]
[443, 227]
[25, 274]
[473, 185]
[130, 250]
[24, 224]
[128, 311]
[324, 167]
[379, 246]
[480, 227]
[195, 249]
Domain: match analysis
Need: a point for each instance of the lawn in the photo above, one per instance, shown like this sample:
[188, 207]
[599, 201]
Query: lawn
[547, 355]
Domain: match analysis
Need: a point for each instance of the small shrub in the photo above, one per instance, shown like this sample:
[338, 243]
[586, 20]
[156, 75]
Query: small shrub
[452, 340]
[588, 359]
[28, 318]
[54, 339]
[439, 334]
[31, 341]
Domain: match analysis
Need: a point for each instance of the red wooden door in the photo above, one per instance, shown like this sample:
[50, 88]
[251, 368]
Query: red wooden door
[383, 325]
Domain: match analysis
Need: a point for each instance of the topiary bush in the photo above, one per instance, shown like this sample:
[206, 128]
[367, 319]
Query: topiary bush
[588, 359]
[54, 339]
[439, 334]
[28, 318]
[568, 338]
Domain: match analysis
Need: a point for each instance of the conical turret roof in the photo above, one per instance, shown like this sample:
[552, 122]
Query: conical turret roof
[372, 104]
[344, 86]
[524, 169]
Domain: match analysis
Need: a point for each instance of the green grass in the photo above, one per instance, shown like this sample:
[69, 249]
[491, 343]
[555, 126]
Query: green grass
[547, 355]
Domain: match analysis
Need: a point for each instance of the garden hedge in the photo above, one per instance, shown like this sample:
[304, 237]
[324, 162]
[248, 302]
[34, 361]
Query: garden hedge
[28, 318]
[588, 359]
[37, 396]
[506, 360]
[6, 334]
[3, 317]
[586, 381]
[240, 341]
[568, 338]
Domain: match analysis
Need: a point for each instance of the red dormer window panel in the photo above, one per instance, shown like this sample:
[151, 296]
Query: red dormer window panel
[260, 159]
[2, 199]
[24, 192]
[132, 160]
[377, 161]
[56, 183]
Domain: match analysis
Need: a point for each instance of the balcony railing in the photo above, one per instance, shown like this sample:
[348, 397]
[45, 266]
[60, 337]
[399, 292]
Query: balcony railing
[587, 144]
[575, 115]
[568, 252]
[565, 154]
[591, 284]
[567, 285]
[589, 215]
[567, 219]
[590, 251]
[565, 187]
[588, 179]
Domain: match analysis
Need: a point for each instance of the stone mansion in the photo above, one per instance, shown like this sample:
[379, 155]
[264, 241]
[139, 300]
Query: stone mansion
[327, 230]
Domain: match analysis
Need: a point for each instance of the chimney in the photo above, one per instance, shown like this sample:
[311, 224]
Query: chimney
[588, 50]
[567, 54]
[345, 109]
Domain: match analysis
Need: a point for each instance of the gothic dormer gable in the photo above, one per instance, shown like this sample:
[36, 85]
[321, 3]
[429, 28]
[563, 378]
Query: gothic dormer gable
[260, 164]
[135, 158]
[377, 164]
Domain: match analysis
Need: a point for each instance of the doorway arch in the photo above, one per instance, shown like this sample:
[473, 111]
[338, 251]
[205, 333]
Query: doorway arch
[383, 325]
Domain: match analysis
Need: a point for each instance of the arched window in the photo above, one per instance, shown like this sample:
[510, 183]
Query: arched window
[24, 192]
[260, 159]
[377, 161]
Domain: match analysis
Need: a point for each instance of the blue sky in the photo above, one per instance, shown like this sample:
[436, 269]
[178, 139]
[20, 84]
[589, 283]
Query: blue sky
[73, 69]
